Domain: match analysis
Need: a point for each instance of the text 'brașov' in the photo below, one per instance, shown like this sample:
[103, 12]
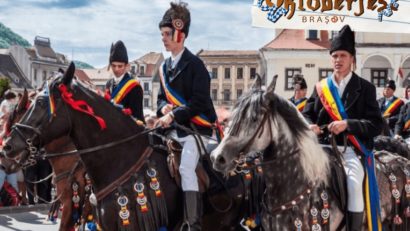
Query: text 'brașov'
[329, 5]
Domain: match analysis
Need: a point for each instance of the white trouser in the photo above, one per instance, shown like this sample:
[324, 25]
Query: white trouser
[407, 140]
[189, 160]
[354, 176]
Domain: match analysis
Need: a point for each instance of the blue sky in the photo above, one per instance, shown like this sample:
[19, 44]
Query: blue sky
[86, 28]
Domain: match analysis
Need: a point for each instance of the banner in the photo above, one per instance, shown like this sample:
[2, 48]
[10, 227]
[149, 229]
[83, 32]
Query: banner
[389, 16]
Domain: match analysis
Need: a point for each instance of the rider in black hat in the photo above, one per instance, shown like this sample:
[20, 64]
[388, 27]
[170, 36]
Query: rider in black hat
[123, 90]
[300, 87]
[390, 105]
[358, 99]
[184, 97]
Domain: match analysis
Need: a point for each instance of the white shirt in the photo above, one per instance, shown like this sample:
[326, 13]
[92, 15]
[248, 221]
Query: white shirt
[175, 60]
[387, 100]
[117, 80]
[343, 83]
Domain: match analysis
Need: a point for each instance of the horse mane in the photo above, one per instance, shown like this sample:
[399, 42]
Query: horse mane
[291, 130]
[105, 106]
[313, 159]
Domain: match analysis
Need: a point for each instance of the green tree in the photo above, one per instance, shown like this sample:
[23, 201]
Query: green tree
[4, 85]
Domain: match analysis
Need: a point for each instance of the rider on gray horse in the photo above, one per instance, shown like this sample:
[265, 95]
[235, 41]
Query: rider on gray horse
[358, 96]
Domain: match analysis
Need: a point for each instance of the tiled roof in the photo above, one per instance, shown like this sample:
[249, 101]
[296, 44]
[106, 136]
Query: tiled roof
[296, 40]
[46, 52]
[9, 69]
[151, 58]
[203, 53]
[82, 75]
[98, 74]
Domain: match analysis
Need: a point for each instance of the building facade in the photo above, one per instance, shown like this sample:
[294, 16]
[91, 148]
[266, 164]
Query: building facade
[380, 56]
[39, 61]
[146, 69]
[232, 73]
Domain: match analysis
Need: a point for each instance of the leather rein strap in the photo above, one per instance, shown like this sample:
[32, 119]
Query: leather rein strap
[101, 194]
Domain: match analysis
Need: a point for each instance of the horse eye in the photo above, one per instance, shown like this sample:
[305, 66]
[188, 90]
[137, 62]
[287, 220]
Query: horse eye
[41, 102]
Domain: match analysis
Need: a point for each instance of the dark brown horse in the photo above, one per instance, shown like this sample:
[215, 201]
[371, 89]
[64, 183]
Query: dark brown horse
[67, 169]
[115, 151]
[297, 169]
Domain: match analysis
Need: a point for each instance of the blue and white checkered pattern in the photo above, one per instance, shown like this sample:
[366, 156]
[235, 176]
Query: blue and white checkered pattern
[274, 16]
[388, 11]
[274, 13]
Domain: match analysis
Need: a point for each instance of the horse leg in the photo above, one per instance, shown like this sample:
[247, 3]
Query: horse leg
[64, 189]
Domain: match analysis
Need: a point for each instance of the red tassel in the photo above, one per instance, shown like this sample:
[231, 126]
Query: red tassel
[397, 220]
[127, 111]
[407, 212]
[107, 95]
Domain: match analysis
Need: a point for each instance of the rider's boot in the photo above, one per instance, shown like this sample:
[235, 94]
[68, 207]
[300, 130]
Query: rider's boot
[192, 211]
[355, 221]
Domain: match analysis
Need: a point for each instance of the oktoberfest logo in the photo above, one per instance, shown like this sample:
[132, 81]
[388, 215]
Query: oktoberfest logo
[382, 8]
[178, 24]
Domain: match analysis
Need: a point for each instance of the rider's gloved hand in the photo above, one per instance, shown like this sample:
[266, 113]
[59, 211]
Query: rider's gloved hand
[398, 137]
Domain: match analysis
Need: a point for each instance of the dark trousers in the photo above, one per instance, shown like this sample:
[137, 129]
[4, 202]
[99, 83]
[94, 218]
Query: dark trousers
[35, 173]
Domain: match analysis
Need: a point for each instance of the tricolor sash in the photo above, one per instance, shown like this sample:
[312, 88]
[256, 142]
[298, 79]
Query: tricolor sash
[332, 103]
[175, 99]
[300, 104]
[391, 107]
[407, 123]
[125, 86]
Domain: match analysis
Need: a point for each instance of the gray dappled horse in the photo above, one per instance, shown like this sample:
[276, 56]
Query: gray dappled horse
[296, 168]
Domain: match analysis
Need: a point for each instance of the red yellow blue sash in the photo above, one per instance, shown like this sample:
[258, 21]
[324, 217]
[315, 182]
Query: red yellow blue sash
[51, 104]
[332, 103]
[176, 100]
[392, 107]
[300, 105]
[125, 86]
[407, 123]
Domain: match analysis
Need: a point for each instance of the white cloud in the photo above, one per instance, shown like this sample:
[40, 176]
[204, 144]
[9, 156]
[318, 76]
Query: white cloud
[89, 30]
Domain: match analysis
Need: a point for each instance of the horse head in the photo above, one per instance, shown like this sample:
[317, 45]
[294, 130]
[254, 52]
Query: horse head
[39, 125]
[249, 128]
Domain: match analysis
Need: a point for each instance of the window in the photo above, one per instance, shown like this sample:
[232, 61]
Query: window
[227, 95]
[35, 76]
[214, 74]
[289, 73]
[333, 34]
[227, 73]
[214, 94]
[312, 34]
[146, 102]
[324, 73]
[238, 93]
[378, 77]
[142, 70]
[146, 86]
[133, 69]
[252, 73]
[44, 75]
[239, 73]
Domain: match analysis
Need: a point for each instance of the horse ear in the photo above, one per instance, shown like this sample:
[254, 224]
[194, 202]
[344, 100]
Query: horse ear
[270, 91]
[69, 74]
[23, 101]
[257, 84]
[272, 85]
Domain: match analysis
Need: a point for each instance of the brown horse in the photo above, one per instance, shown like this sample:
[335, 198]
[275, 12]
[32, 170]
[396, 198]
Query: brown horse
[117, 154]
[66, 168]
[297, 169]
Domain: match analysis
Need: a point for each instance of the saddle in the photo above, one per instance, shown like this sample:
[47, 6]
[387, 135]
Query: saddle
[338, 182]
[173, 150]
